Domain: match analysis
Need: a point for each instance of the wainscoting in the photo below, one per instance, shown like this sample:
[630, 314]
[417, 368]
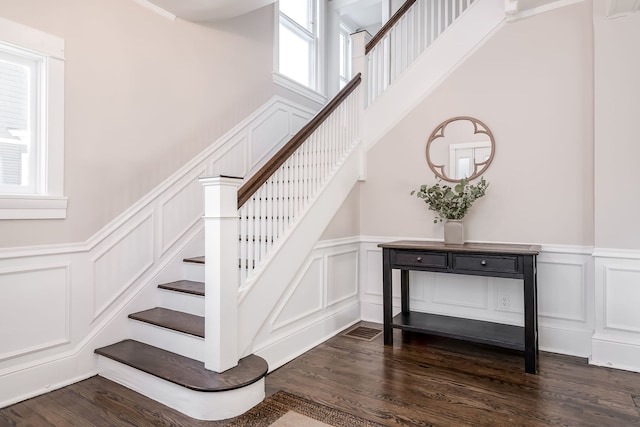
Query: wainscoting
[616, 342]
[59, 303]
[321, 301]
[565, 295]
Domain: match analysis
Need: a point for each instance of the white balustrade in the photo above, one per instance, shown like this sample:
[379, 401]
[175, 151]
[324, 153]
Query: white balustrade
[416, 30]
[268, 215]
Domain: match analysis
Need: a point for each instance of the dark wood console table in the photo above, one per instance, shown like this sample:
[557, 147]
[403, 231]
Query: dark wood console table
[478, 259]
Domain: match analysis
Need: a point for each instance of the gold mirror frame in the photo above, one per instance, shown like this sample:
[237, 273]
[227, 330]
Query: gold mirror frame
[478, 128]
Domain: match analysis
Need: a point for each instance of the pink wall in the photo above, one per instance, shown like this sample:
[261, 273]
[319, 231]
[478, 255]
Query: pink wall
[617, 131]
[532, 84]
[143, 95]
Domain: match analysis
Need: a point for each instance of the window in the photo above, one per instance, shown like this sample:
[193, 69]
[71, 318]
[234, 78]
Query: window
[344, 44]
[31, 123]
[21, 85]
[298, 56]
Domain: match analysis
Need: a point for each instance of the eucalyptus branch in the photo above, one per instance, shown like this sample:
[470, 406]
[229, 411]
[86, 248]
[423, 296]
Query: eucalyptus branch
[451, 203]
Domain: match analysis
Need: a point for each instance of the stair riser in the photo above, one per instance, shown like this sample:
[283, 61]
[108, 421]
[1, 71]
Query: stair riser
[200, 405]
[167, 339]
[179, 301]
[193, 271]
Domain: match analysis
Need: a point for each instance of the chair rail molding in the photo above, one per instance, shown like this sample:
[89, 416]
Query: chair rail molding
[92, 299]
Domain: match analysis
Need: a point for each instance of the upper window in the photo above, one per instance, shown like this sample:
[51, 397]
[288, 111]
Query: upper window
[31, 123]
[344, 43]
[298, 41]
[21, 89]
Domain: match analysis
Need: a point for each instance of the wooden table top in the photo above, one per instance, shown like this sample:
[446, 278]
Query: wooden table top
[502, 248]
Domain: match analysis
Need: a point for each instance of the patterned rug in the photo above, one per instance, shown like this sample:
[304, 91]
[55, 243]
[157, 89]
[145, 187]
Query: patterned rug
[288, 410]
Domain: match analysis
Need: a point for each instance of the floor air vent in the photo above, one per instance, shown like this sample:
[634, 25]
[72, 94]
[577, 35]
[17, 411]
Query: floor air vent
[363, 333]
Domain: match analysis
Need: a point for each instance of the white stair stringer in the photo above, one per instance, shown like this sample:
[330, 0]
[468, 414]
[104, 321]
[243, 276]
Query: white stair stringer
[263, 290]
[474, 27]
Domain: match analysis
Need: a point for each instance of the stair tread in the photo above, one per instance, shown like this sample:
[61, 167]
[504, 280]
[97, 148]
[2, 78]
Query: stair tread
[172, 319]
[195, 260]
[184, 286]
[182, 370]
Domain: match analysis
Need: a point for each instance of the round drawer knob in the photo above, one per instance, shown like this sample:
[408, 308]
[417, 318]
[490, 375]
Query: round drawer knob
[419, 259]
[483, 262]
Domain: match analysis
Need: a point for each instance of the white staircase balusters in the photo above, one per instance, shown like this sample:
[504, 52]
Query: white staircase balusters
[414, 32]
[267, 215]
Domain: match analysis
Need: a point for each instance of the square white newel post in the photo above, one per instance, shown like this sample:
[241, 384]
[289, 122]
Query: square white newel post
[359, 64]
[221, 274]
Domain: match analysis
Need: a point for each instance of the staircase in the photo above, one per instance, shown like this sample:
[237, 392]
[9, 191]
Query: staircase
[194, 353]
[164, 358]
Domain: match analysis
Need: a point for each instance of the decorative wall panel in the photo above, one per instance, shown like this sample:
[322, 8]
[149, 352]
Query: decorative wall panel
[342, 276]
[34, 309]
[306, 296]
[622, 298]
[121, 264]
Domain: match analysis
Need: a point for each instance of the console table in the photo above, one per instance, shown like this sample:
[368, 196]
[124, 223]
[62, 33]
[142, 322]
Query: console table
[478, 259]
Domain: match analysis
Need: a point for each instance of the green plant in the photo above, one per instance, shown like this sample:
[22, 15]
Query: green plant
[451, 203]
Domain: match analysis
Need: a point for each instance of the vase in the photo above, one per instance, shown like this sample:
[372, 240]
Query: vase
[454, 232]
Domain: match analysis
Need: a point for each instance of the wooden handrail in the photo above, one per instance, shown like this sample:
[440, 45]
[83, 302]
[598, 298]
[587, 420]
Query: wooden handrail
[390, 23]
[255, 182]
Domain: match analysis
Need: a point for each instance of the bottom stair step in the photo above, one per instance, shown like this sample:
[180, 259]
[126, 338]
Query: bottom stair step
[183, 371]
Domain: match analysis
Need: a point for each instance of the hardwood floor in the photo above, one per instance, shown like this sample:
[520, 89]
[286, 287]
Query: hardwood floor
[421, 380]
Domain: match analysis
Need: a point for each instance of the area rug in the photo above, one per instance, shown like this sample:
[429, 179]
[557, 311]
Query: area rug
[288, 410]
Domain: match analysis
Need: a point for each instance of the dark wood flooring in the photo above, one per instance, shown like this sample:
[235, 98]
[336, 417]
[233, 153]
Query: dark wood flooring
[421, 380]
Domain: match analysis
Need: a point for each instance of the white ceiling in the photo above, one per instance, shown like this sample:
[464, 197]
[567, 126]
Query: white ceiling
[209, 10]
[360, 14]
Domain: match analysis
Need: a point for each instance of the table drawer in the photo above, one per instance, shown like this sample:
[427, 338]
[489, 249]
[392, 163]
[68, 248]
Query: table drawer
[419, 259]
[493, 263]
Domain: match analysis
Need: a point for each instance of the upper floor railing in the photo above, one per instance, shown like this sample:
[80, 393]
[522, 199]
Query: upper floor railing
[412, 29]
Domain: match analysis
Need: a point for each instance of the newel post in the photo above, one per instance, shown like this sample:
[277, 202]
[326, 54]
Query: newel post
[221, 272]
[359, 64]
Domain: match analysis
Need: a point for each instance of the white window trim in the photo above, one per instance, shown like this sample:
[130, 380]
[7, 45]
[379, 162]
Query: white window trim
[315, 95]
[52, 204]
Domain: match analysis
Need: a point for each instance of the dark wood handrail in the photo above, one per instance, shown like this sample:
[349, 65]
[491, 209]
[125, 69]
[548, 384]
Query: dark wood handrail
[386, 27]
[255, 182]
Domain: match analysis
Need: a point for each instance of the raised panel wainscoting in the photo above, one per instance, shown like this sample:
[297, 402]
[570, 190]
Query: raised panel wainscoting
[616, 342]
[78, 296]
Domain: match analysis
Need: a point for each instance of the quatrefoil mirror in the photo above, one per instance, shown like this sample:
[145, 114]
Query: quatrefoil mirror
[461, 147]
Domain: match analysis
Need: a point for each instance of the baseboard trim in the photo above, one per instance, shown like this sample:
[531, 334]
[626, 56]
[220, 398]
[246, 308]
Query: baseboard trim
[615, 354]
[298, 342]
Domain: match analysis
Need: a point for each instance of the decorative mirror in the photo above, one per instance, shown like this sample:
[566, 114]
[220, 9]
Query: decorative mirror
[461, 147]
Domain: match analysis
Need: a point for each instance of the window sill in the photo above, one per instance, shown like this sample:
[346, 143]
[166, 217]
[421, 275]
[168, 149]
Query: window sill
[33, 207]
[300, 89]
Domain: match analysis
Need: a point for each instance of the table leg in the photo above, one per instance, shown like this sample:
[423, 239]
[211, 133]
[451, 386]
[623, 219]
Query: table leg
[404, 286]
[387, 298]
[530, 316]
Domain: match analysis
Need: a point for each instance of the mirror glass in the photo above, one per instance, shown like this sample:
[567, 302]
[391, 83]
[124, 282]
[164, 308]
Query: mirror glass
[461, 147]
